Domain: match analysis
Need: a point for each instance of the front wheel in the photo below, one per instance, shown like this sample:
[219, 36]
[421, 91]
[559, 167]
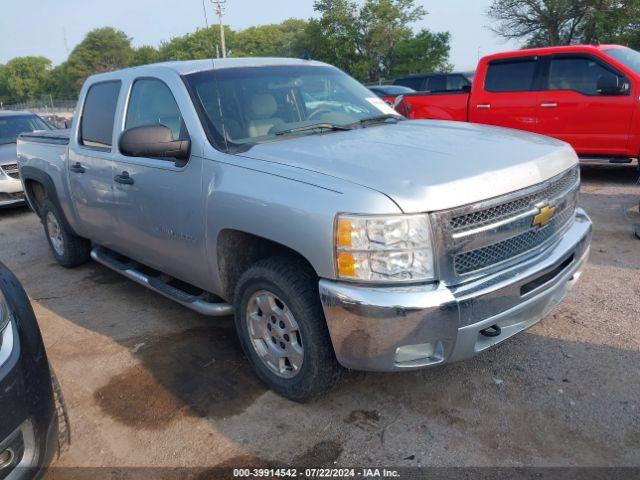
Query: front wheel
[282, 329]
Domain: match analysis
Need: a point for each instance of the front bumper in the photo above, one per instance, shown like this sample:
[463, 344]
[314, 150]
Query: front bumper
[401, 328]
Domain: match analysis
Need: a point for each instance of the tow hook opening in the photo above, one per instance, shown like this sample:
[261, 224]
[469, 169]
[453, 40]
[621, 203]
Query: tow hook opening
[492, 331]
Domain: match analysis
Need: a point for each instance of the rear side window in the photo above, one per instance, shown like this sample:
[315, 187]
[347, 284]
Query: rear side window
[578, 74]
[96, 125]
[152, 103]
[512, 76]
[414, 83]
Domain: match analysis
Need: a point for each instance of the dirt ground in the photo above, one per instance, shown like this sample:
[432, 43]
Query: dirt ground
[150, 383]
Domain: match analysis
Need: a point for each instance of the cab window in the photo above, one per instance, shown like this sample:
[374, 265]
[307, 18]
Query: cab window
[511, 76]
[96, 124]
[152, 103]
[578, 74]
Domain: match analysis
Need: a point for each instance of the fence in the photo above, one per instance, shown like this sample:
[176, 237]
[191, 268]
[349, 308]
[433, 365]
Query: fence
[45, 106]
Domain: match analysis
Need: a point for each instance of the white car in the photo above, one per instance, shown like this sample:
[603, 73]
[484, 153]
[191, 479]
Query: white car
[13, 124]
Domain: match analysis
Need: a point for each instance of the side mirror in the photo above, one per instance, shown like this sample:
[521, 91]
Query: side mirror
[466, 88]
[611, 85]
[153, 141]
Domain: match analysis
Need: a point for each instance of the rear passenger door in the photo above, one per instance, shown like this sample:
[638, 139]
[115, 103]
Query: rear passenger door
[160, 206]
[509, 95]
[90, 165]
[573, 109]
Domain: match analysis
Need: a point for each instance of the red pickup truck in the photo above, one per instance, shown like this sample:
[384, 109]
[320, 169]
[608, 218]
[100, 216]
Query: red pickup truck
[588, 96]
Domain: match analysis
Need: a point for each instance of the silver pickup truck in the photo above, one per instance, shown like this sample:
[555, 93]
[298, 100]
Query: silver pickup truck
[336, 232]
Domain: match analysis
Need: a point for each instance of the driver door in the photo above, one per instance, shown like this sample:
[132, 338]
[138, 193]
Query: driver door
[573, 109]
[160, 200]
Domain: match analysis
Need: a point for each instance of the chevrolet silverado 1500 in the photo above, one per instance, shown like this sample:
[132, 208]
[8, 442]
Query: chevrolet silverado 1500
[585, 95]
[336, 232]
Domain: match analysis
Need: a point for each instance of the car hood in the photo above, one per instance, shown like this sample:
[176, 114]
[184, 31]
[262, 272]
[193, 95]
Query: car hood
[426, 165]
[8, 153]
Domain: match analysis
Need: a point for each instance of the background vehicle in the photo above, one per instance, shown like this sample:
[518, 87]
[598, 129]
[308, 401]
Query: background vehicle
[437, 82]
[33, 423]
[13, 124]
[389, 93]
[337, 232]
[587, 96]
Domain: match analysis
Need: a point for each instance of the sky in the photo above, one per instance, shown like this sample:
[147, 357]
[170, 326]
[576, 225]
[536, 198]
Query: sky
[53, 27]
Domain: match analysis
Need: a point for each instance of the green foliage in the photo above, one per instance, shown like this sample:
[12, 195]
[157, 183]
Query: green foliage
[102, 50]
[566, 22]
[197, 45]
[282, 39]
[23, 78]
[375, 41]
[424, 52]
[145, 55]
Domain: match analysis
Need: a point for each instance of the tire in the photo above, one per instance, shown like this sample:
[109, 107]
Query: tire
[296, 288]
[68, 249]
[64, 428]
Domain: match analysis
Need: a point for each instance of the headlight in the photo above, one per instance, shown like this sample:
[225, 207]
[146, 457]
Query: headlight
[394, 248]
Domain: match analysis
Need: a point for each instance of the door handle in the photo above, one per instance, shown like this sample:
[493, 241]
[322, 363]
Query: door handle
[124, 178]
[549, 105]
[77, 168]
[483, 106]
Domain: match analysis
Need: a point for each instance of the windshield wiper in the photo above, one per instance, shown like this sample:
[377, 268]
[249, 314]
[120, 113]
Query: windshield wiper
[316, 126]
[380, 119]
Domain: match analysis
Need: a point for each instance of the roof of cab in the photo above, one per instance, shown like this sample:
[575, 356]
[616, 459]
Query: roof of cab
[194, 66]
[551, 51]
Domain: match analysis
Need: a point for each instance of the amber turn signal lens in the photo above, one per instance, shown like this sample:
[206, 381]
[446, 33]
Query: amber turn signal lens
[346, 265]
[344, 233]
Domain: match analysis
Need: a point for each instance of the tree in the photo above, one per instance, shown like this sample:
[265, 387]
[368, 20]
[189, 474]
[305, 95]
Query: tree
[274, 40]
[145, 55]
[23, 78]
[369, 40]
[197, 45]
[102, 50]
[564, 22]
[424, 52]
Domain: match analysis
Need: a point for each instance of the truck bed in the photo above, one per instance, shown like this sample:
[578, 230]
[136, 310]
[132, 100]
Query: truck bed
[435, 105]
[55, 137]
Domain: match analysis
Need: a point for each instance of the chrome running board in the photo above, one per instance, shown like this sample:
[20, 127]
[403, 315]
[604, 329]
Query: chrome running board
[159, 283]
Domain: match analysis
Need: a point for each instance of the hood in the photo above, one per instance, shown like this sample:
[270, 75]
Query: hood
[8, 153]
[427, 165]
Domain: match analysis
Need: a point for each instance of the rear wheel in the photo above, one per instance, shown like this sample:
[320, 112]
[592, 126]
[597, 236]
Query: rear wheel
[68, 249]
[282, 329]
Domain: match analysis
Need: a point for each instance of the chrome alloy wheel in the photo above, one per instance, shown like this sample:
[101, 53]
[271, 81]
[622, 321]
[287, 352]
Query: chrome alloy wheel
[55, 234]
[274, 334]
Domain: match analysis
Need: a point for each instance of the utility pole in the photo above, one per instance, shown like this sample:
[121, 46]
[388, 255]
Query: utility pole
[220, 5]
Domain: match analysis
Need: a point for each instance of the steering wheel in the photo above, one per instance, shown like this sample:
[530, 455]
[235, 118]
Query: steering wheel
[319, 111]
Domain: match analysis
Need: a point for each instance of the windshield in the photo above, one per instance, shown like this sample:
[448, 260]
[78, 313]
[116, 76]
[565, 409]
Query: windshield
[258, 104]
[13, 125]
[630, 58]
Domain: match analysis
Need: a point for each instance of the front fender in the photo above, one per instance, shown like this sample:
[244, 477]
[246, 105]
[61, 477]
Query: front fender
[287, 210]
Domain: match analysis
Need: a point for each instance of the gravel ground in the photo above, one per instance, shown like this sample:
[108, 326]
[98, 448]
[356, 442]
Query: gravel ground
[149, 383]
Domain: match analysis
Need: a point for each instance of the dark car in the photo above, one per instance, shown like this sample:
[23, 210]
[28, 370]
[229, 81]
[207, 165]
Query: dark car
[437, 82]
[33, 421]
[389, 92]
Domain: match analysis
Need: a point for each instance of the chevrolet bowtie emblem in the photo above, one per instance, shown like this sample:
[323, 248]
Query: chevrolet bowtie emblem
[544, 216]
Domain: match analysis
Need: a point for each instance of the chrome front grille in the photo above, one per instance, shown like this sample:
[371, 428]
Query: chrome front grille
[504, 210]
[482, 238]
[512, 247]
